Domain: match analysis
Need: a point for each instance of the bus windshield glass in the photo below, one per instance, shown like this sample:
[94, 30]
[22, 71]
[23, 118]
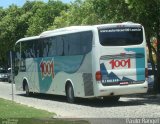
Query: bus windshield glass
[122, 36]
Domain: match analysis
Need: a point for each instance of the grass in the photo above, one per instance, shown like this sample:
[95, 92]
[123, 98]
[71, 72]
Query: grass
[41, 121]
[14, 113]
[9, 109]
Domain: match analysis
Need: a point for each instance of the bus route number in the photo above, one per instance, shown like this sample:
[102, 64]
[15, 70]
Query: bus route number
[47, 69]
[120, 63]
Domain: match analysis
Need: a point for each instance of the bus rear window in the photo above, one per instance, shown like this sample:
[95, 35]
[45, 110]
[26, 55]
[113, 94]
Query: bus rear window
[120, 36]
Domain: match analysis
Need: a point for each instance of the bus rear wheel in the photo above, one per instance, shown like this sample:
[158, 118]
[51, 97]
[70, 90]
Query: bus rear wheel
[70, 94]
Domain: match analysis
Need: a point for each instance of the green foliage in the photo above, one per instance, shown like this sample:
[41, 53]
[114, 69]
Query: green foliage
[10, 109]
[8, 31]
[146, 12]
[79, 13]
[111, 10]
[91, 12]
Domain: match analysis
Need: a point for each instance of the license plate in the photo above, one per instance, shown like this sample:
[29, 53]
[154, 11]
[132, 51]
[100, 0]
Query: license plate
[123, 83]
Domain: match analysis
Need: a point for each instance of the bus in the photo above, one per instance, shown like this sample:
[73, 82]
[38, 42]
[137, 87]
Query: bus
[98, 61]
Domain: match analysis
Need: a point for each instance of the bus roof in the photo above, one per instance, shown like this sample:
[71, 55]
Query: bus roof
[73, 29]
[119, 25]
[28, 38]
[66, 30]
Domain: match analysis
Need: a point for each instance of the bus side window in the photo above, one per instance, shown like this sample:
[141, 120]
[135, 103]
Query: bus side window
[52, 46]
[86, 42]
[39, 48]
[59, 42]
[23, 55]
[46, 47]
[66, 45]
[74, 44]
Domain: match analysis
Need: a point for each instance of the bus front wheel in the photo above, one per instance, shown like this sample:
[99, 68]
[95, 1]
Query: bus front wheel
[28, 93]
[27, 89]
[70, 94]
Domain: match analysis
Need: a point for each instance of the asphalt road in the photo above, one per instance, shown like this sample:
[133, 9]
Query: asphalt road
[132, 106]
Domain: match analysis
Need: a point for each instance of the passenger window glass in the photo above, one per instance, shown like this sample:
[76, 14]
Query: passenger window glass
[59, 41]
[74, 44]
[45, 47]
[52, 46]
[66, 45]
[86, 42]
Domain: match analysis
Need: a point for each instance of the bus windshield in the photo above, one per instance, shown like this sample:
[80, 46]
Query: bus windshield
[122, 36]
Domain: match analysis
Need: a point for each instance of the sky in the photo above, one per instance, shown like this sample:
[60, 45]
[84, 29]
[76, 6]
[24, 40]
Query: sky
[6, 3]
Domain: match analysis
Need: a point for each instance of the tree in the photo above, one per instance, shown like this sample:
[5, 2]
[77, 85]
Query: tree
[147, 12]
[8, 32]
[78, 13]
[43, 16]
[91, 12]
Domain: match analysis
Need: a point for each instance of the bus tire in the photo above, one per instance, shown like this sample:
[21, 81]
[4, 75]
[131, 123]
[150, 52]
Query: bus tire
[27, 90]
[70, 94]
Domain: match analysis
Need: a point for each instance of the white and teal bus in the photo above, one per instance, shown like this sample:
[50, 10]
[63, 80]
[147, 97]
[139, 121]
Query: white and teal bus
[84, 61]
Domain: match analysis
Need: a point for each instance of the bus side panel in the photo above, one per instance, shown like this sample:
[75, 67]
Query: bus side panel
[77, 69]
[54, 71]
[28, 72]
[18, 81]
[86, 76]
[49, 75]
